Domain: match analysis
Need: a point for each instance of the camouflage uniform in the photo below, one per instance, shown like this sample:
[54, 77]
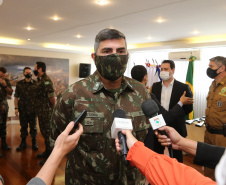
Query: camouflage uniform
[26, 92]
[95, 160]
[44, 107]
[4, 108]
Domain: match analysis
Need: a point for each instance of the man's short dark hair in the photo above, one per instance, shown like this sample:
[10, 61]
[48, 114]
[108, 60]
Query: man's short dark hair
[107, 34]
[138, 72]
[41, 65]
[26, 68]
[172, 64]
[219, 60]
[3, 69]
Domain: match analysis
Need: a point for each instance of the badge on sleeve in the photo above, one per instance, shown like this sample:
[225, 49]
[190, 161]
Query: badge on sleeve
[219, 103]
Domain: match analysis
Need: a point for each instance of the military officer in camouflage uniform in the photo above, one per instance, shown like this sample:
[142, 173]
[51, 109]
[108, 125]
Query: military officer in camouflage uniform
[25, 107]
[95, 160]
[5, 90]
[45, 102]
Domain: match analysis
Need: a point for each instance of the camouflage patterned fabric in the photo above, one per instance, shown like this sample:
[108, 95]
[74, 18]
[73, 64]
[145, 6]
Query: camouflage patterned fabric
[26, 94]
[95, 160]
[4, 108]
[44, 108]
[111, 67]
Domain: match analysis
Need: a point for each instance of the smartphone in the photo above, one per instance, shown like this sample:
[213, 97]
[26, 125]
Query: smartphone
[79, 119]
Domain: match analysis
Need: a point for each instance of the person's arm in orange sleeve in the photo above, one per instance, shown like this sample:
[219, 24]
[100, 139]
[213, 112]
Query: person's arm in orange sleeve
[160, 169]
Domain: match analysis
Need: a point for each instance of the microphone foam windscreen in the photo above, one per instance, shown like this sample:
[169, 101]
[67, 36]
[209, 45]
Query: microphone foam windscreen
[119, 113]
[149, 108]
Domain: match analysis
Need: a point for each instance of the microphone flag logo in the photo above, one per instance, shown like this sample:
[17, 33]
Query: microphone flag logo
[157, 122]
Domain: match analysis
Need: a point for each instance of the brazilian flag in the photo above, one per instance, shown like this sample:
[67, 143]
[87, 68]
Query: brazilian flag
[189, 81]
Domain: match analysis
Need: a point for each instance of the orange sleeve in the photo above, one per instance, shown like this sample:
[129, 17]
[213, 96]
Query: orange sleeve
[161, 169]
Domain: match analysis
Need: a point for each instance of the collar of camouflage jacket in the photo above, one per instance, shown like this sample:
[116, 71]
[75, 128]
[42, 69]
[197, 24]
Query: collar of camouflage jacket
[28, 82]
[98, 84]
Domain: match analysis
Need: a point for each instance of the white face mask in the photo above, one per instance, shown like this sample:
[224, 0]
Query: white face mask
[164, 75]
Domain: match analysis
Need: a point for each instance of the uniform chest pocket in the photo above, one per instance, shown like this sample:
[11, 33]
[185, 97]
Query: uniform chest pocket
[140, 124]
[93, 123]
[220, 103]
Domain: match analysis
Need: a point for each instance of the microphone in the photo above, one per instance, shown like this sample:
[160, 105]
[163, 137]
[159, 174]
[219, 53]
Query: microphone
[120, 123]
[151, 109]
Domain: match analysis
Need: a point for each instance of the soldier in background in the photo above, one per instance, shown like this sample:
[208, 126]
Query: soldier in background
[5, 90]
[95, 160]
[45, 102]
[25, 107]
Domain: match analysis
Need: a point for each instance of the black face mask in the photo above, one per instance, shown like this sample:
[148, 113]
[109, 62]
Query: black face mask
[36, 72]
[28, 76]
[212, 73]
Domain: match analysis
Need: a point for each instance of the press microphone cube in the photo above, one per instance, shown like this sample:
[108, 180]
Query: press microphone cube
[157, 122]
[120, 124]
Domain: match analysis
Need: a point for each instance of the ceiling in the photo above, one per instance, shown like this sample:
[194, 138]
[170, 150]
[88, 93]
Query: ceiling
[135, 18]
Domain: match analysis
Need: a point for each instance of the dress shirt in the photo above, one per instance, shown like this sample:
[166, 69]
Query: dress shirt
[166, 94]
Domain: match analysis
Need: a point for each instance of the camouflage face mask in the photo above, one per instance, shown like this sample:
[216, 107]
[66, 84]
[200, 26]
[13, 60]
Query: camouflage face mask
[111, 67]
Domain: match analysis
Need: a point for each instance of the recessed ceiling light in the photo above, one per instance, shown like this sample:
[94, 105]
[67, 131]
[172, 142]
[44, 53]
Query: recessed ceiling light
[28, 39]
[28, 28]
[55, 18]
[102, 2]
[195, 32]
[160, 20]
[78, 36]
[149, 38]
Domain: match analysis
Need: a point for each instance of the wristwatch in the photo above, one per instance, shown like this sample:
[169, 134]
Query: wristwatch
[16, 107]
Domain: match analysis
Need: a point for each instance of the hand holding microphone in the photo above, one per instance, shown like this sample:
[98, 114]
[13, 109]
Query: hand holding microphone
[121, 123]
[173, 138]
[150, 109]
[130, 140]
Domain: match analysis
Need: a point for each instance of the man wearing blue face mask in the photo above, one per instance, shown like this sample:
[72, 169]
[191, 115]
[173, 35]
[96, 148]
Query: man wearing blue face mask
[215, 133]
[24, 102]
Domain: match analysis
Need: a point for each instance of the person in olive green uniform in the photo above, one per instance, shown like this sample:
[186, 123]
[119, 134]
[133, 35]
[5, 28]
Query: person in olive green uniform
[45, 102]
[215, 121]
[5, 90]
[24, 102]
[95, 160]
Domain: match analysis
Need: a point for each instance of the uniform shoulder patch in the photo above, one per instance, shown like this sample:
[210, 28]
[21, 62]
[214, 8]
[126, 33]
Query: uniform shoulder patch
[223, 91]
[47, 82]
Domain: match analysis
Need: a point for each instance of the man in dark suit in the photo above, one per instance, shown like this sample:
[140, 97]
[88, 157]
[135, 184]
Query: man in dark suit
[168, 93]
[139, 73]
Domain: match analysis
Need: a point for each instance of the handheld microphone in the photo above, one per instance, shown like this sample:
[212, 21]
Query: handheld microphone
[151, 109]
[121, 123]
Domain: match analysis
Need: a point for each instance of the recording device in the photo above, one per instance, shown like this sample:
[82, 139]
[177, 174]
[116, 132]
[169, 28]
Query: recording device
[120, 123]
[151, 109]
[79, 119]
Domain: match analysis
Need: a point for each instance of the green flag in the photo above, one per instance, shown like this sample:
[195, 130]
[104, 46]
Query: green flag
[189, 81]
